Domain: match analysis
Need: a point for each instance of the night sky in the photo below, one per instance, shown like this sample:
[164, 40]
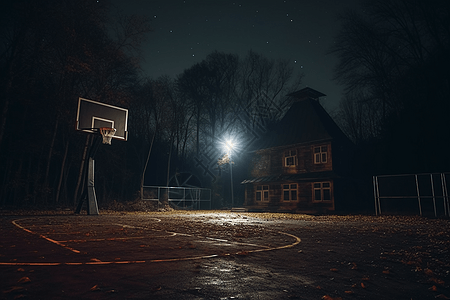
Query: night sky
[185, 32]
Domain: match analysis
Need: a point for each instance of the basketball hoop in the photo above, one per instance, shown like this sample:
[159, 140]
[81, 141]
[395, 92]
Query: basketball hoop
[107, 134]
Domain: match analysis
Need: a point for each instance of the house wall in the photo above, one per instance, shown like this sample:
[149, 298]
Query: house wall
[305, 197]
[261, 163]
[273, 161]
[280, 161]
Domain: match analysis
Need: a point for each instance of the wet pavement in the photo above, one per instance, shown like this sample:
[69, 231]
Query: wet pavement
[222, 255]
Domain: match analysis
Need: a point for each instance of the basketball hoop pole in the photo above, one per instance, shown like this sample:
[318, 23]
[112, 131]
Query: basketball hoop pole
[105, 121]
[89, 192]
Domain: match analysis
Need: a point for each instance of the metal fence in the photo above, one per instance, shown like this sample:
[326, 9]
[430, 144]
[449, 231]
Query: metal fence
[179, 197]
[423, 193]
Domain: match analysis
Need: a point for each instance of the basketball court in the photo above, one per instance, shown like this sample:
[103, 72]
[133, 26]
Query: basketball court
[222, 255]
[82, 256]
[100, 240]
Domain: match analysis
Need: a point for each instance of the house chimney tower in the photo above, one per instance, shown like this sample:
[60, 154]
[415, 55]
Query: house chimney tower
[306, 93]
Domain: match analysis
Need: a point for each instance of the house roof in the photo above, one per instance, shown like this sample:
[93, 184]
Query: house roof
[306, 93]
[305, 121]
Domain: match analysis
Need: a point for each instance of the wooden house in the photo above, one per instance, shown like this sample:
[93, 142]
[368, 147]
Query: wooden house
[302, 162]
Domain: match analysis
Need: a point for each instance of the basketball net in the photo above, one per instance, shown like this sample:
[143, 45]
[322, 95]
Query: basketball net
[107, 134]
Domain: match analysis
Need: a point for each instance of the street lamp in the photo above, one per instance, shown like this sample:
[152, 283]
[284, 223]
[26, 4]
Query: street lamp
[229, 145]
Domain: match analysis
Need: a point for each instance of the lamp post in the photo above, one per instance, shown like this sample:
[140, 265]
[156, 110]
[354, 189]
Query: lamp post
[230, 149]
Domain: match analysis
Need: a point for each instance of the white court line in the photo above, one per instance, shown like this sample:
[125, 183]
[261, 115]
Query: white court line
[119, 238]
[99, 262]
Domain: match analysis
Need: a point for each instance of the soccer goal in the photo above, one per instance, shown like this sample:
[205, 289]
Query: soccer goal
[426, 194]
[183, 198]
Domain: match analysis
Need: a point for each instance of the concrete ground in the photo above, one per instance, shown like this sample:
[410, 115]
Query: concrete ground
[223, 255]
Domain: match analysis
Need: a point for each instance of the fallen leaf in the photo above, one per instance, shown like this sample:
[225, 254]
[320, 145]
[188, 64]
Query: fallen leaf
[333, 270]
[438, 281]
[13, 289]
[95, 288]
[326, 297]
[363, 285]
[157, 288]
[428, 272]
[386, 272]
[24, 280]
[348, 292]
[20, 270]
[433, 288]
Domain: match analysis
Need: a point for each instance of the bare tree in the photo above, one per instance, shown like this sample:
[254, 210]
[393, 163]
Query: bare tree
[263, 85]
[152, 119]
[49, 56]
[393, 53]
[360, 118]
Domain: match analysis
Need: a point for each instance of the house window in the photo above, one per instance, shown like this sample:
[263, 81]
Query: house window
[290, 158]
[290, 192]
[320, 154]
[322, 191]
[262, 193]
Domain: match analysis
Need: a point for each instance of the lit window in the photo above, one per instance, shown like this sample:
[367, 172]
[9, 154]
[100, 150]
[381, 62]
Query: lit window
[290, 192]
[290, 158]
[320, 154]
[322, 191]
[262, 193]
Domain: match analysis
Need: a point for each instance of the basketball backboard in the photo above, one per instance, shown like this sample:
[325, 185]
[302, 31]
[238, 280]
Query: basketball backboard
[93, 115]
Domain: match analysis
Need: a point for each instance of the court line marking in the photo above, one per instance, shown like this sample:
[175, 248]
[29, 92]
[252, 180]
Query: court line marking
[99, 262]
[46, 238]
[60, 243]
[116, 239]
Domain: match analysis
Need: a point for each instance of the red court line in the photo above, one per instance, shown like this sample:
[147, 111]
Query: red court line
[60, 243]
[46, 238]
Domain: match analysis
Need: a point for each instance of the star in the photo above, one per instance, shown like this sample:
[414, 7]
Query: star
[266, 27]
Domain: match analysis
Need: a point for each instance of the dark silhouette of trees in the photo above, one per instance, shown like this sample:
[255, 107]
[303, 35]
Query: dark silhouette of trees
[263, 85]
[154, 120]
[228, 96]
[53, 52]
[225, 91]
[208, 87]
[394, 64]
